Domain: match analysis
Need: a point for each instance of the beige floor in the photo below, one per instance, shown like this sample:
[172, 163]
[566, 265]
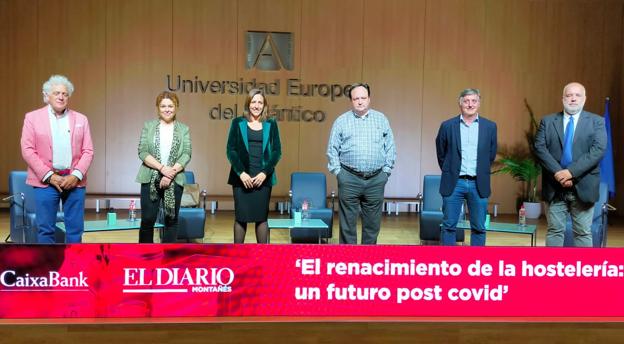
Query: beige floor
[395, 230]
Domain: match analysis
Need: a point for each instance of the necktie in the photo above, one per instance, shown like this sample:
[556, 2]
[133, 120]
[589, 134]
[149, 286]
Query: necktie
[566, 157]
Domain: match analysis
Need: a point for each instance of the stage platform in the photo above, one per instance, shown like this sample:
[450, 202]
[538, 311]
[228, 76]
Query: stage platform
[313, 330]
[335, 329]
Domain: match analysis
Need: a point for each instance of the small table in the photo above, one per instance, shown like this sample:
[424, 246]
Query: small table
[506, 228]
[102, 225]
[390, 203]
[289, 224]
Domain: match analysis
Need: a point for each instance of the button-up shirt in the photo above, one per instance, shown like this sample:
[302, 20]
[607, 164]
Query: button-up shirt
[61, 143]
[566, 119]
[363, 143]
[469, 143]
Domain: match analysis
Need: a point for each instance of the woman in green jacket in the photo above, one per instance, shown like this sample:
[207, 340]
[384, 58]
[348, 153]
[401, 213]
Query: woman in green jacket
[253, 149]
[164, 149]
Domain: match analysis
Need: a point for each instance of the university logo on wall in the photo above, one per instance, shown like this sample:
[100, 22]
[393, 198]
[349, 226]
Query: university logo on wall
[269, 50]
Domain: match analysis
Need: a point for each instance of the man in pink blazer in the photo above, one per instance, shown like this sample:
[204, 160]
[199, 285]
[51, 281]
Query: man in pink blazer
[56, 145]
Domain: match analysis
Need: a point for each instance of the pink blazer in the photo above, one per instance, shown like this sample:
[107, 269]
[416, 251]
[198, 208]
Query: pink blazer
[36, 145]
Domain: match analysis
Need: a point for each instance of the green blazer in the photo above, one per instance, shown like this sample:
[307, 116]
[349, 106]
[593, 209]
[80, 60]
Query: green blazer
[146, 147]
[237, 150]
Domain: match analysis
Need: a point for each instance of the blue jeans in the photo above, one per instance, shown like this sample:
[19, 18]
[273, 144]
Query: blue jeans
[581, 213]
[451, 207]
[46, 206]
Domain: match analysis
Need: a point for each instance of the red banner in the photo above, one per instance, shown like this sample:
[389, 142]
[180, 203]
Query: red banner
[131, 280]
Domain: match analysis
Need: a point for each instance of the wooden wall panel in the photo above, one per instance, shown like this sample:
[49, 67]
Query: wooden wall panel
[138, 55]
[332, 53]
[81, 56]
[18, 72]
[394, 42]
[612, 45]
[454, 58]
[7, 33]
[511, 77]
[617, 123]
[204, 45]
[576, 49]
[617, 113]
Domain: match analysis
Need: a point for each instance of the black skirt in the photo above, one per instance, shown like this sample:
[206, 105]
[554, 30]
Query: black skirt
[252, 205]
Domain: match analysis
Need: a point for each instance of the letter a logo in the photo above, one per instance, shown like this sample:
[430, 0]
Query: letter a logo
[269, 50]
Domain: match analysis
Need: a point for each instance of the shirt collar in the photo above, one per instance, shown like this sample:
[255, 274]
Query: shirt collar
[363, 116]
[461, 118]
[567, 115]
[52, 113]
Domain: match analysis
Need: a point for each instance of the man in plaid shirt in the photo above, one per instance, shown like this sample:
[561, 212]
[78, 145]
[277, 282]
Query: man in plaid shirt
[361, 154]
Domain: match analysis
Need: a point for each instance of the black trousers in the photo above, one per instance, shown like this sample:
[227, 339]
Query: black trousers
[149, 214]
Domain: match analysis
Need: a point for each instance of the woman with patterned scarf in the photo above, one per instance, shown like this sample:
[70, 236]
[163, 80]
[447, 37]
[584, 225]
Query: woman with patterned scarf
[165, 149]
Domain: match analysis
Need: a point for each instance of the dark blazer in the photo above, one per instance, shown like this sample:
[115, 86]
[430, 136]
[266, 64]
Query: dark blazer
[590, 142]
[448, 149]
[238, 150]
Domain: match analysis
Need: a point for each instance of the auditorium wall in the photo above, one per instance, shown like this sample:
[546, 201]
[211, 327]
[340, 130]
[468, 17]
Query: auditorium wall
[417, 55]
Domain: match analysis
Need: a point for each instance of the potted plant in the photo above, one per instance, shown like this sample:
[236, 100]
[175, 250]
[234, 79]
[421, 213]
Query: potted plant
[525, 170]
[521, 163]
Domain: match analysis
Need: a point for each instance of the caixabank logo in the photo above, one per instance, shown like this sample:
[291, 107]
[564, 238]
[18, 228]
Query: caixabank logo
[269, 51]
[11, 280]
[178, 280]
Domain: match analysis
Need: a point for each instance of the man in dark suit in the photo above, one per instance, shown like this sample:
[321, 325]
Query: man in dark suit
[570, 145]
[466, 148]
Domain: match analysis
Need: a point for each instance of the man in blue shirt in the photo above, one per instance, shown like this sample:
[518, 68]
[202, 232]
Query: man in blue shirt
[466, 148]
[361, 154]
